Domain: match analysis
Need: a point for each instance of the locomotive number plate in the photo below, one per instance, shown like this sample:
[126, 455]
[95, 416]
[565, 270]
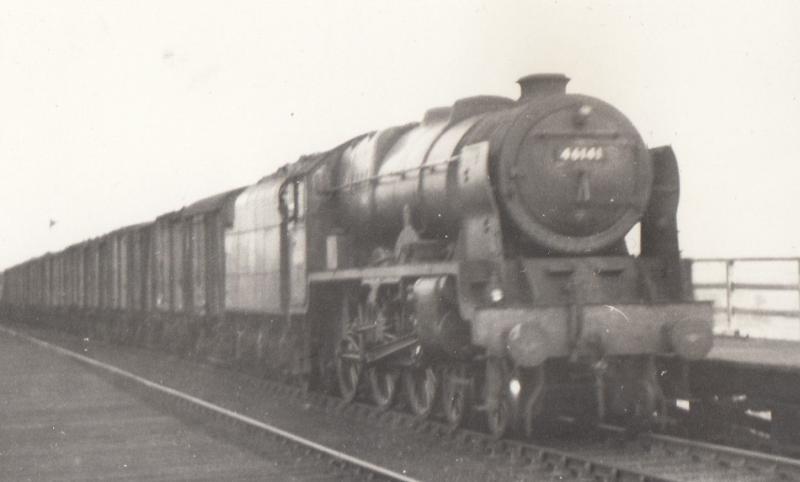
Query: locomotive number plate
[581, 153]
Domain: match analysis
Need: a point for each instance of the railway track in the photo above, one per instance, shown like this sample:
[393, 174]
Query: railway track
[608, 454]
[260, 436]
[677, 458]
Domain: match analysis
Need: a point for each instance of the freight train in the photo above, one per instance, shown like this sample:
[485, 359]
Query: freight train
[474, 263]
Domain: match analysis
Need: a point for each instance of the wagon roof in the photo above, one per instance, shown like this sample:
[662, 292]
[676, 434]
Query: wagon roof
[131, 227]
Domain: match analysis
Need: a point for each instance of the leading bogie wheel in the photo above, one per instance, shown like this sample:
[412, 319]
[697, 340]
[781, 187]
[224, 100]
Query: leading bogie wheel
[455, 393]
[534, 419]
[498, 417]
[421, 386]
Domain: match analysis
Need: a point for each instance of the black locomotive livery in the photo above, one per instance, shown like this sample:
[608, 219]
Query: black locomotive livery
[474, 263]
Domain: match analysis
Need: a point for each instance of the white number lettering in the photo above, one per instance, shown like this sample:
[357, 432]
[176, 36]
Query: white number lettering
[575, 153]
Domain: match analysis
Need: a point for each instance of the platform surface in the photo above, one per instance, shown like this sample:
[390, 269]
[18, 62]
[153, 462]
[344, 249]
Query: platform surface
[756, 351]
[59, 421]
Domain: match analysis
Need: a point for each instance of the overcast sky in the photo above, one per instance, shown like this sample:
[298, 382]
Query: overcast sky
[114, 112]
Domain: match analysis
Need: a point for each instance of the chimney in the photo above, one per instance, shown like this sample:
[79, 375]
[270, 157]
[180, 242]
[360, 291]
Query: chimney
[542, 85]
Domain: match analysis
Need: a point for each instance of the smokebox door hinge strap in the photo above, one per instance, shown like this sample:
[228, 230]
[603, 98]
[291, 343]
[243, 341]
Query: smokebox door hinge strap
[575, 321]
[584, 190]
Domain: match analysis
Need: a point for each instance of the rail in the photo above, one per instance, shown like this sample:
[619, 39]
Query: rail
[752, 296]
[353, 467]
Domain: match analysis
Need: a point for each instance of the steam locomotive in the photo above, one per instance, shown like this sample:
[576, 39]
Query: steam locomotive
[474, 263]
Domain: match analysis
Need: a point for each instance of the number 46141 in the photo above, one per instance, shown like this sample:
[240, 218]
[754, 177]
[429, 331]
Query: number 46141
[581, 154]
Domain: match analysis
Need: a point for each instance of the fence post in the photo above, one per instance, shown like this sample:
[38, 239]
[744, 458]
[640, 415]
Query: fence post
[729, 293]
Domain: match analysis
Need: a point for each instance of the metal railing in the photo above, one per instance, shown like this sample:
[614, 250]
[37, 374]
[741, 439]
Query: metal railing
[753, 296]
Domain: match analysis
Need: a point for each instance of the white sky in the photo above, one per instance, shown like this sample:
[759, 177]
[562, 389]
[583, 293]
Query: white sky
[114, 112]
